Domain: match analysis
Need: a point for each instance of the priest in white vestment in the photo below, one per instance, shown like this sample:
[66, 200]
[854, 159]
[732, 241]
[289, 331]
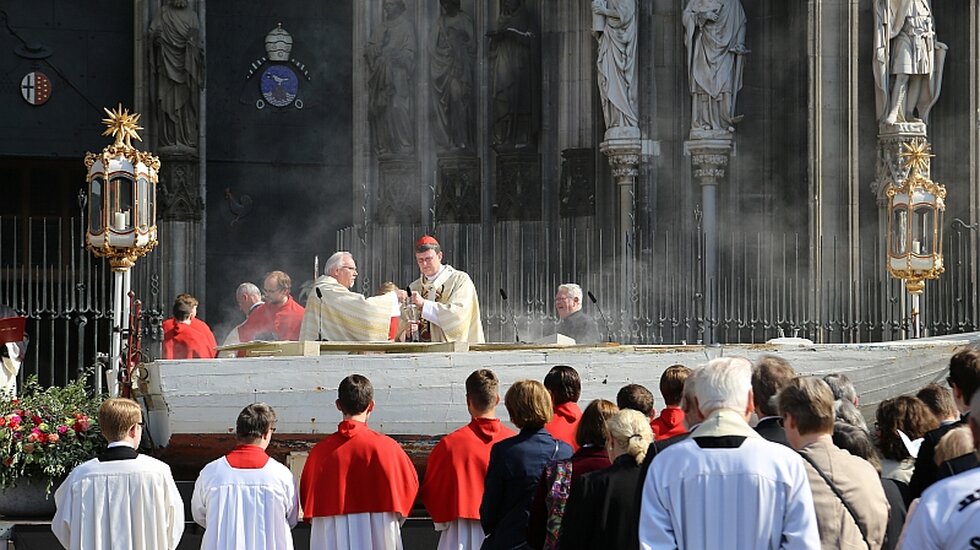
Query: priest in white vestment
[725, 486]
[446, 297]
[336, 314]
[121, 499]
[246, 499]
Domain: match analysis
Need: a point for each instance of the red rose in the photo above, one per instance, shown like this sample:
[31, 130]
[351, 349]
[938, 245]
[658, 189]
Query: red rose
[37, 420]
[8, 461]
[28, 448]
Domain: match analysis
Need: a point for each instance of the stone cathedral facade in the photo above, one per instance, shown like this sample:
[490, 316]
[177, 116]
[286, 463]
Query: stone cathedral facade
[706, 169]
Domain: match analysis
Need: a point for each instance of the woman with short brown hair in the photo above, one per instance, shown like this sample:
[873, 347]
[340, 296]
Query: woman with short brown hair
[516, 465]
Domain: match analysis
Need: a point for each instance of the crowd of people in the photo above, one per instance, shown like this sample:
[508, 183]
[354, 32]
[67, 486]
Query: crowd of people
[444, 297]
[741, 456]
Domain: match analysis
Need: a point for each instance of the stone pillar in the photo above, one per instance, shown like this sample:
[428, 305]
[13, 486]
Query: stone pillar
[709, 169]
[623, 148]
[179, 138]
[180, 221]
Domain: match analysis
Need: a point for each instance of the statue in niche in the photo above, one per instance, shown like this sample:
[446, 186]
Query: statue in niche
[178, 62]
[714, 33]
[616, 62]
[452, 58]
[391, 80]
[908, 60]
[514, 74]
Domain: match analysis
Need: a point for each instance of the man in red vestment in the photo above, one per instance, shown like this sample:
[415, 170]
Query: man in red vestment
[671, 419]
[358, 485]
[279, 318]
[452, 488]
[184, 335]
[566, 387]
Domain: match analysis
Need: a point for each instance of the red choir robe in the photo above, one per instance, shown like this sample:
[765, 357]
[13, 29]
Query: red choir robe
[564, 423]
[183, 341]
[669, 423]
[453, 484]
[280, 321]
[356, 470]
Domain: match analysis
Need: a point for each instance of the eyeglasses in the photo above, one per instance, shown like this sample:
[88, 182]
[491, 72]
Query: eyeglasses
[270, 291]
[349, 267]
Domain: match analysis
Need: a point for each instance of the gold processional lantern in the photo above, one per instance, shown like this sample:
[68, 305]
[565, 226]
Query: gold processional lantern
[915, 222]
[122, 191]
[122, 226]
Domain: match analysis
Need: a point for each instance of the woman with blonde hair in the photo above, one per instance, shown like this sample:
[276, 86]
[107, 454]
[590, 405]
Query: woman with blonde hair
[603, 510]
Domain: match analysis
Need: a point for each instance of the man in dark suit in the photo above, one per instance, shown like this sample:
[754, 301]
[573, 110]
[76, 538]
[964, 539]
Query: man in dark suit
[964, 379]
[769, 375]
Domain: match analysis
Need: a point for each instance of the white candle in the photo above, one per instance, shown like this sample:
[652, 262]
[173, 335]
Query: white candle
[916, 247]
[119, 220]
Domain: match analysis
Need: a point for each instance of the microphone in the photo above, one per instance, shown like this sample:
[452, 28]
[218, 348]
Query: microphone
[517, 336]
[319, 315]
[604, 320]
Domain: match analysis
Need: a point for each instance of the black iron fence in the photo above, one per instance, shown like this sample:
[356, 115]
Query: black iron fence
[47, 275]
[766, 286]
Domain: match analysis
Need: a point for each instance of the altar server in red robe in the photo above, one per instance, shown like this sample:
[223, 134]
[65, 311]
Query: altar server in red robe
[671, 419]
[358, 485]
[452, 488]
[566, 387]
[184, 335]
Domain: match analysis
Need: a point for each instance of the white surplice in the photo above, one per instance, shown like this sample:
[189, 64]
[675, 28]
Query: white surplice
[245, 508]
[9, 367]
[462, 534]
[374, 530]
[131, 504]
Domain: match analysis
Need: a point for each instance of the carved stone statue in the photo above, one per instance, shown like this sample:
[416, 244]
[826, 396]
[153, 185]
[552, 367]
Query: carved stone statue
[514, 76]
[452, 58]
[908, 60]
[391, 81]
[616, 62]
[714, 33]
[178, 63]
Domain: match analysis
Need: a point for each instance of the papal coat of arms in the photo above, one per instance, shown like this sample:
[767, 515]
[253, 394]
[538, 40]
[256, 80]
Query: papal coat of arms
[278, 80]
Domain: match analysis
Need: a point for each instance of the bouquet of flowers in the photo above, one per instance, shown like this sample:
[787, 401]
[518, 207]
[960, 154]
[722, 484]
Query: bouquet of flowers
[47, 432]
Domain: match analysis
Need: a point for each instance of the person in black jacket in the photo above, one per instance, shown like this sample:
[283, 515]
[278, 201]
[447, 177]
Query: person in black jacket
[603, 510]
[516, 465]
[769, 374]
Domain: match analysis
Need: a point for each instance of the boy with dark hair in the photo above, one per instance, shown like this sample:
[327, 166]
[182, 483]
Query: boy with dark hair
[358, 485]
[184, 335]
[452, 489]
[636, 397]
[565, 386]
[671, 419]
[769, 375]
[245, 499]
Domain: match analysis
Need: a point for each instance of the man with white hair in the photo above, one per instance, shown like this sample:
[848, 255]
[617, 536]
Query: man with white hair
[687, 498]
[948, 514]
[334, 313]
[248, 297]
[572, 321]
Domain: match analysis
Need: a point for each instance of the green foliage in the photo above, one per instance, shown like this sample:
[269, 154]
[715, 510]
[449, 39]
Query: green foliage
[47, 431]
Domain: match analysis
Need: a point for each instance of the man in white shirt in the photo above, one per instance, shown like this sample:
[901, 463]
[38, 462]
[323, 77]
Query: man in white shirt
[725, 486]
[246, 499]
[948, 514]
[121, 499]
